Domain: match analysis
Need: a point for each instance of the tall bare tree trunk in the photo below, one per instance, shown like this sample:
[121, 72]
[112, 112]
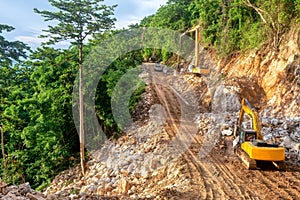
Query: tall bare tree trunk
[81, 111]
[2, 147]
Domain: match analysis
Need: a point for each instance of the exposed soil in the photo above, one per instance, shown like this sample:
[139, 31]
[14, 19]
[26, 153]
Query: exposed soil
[176, 148]
[221, 175]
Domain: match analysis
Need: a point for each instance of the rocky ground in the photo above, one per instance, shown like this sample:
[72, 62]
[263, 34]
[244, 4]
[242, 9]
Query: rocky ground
[20, 192]
[161, 156]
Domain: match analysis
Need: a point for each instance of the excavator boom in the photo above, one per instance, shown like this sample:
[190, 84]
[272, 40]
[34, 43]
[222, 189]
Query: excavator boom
[253, 114]
[195, 68]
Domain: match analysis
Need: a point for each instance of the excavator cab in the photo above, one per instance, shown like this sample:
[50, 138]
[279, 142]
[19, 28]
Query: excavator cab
[250, 135]
[245, 135]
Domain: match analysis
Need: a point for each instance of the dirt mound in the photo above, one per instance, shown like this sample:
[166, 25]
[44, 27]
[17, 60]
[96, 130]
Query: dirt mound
[154, 160]
[19, 192]
[267, 78]
[142, 164]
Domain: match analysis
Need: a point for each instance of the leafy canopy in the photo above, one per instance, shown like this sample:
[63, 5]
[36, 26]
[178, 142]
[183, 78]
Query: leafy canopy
[11, 51]
[77, 19]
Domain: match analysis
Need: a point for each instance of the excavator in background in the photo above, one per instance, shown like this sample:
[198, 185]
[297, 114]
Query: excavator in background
[253, 151]
[153, 58]
[195, 68]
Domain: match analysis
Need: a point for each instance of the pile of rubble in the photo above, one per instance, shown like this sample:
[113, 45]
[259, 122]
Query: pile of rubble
[21, 192]
[286, 132]
[225, 105]
[133, 166]
[128, 168]
[142, 165]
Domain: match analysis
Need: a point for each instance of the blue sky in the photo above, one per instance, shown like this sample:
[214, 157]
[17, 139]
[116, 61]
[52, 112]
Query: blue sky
[29, 25]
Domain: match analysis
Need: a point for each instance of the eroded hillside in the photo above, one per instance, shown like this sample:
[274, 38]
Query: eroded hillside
[180, 145]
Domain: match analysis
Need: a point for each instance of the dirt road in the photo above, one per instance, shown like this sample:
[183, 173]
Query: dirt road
[221, 175]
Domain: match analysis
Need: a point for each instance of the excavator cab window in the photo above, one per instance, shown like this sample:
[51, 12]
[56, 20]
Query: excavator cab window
[248, 135]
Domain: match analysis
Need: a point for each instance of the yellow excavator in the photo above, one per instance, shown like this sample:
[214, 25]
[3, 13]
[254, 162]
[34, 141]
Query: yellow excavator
[195, 68]
[253, 150]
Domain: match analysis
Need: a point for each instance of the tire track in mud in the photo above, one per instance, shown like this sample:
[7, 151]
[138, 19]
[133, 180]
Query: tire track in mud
[224, 178]
[213, 178]
[204, 176]
[263, 184]
[285, 181]
[212, 186]
[268, 184]
[274, 181]
[230, 179]
[197, 183]
[215, 186]
[280, 193]
[170, 102]
[173, 111]
[235, 177]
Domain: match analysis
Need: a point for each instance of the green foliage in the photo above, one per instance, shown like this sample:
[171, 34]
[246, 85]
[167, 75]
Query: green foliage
[107, 85]
[10, 51]
[210, 13]
[13, 79]
[237, 25]
[36, 98]
[251, 36]
[165, 55]
[36, 94]
[51, 133]
[227, 26]
[40, 133]
[278, 15]
[147, 53]
[77, 19]
[297, 9]
[175, 15]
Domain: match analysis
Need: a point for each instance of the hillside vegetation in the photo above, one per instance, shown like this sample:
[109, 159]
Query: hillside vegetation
[38, 135]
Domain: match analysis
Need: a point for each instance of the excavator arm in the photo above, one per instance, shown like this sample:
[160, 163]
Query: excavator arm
[195, 68]
[253, 114]
[196, 29]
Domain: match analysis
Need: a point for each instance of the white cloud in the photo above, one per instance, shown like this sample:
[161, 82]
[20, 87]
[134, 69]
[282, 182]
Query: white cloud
[149, 6]
[124, 22]
[35, 41]
[132, 11]
[31, 40]
[29, 25]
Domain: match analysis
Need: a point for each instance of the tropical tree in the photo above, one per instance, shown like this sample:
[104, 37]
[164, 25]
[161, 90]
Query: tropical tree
[10, 53]
[38, 117]
[275, 15]
[77, 19]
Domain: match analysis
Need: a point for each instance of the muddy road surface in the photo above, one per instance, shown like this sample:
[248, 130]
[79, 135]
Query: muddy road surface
[220, 174]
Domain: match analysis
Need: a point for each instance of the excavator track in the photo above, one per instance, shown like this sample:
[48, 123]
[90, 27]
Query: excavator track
[280, 165]
[252, 164]
[248, 162]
